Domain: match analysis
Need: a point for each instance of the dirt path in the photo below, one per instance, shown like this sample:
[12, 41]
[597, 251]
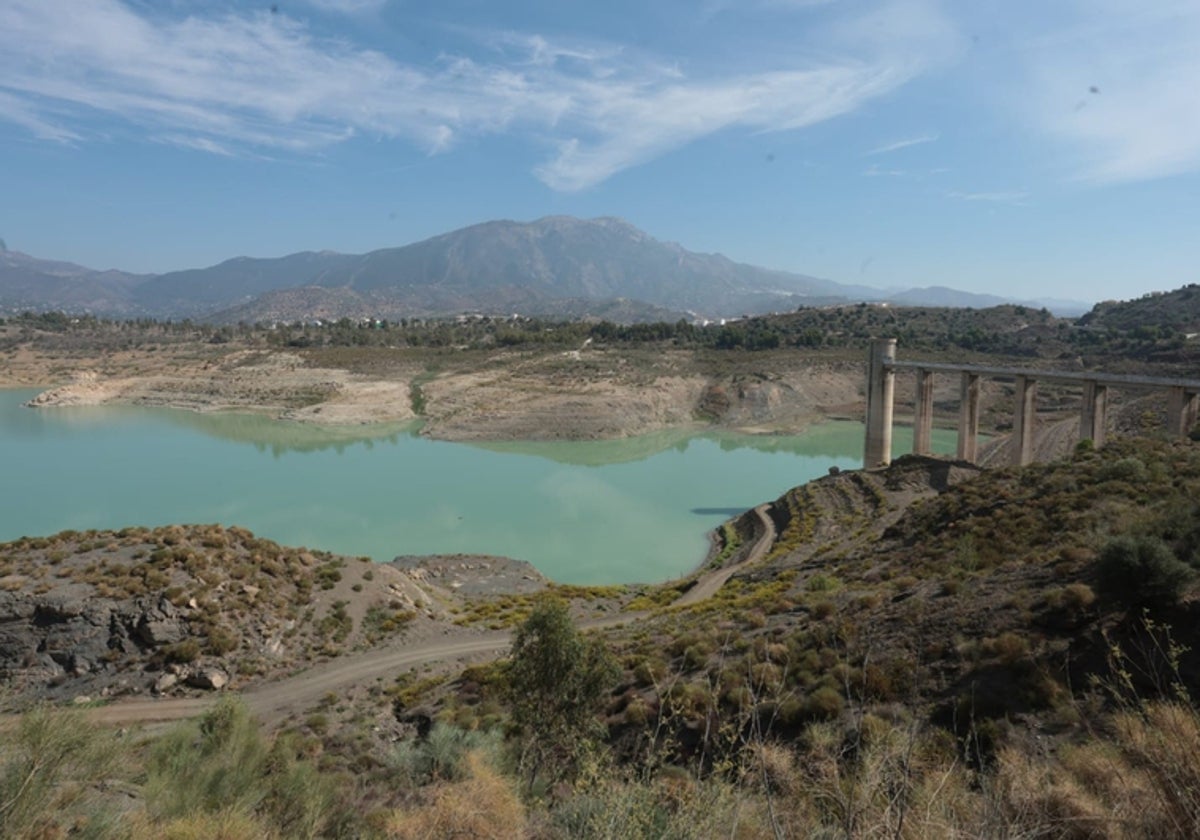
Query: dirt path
[710, 582]
[273, 702]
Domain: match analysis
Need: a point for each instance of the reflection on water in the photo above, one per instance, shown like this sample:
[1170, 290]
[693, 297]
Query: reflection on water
[586, 512]
[264, 432]
[279, 436]
[834, 439]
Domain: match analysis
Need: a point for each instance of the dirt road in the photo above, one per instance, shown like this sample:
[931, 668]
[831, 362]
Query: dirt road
[710, 582]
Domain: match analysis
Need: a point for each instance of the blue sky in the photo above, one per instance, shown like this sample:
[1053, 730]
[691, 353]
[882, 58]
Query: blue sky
[1033, 149]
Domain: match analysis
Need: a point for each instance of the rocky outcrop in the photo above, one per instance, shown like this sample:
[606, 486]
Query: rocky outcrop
[471, 574]
[69, 632]
[187, 608]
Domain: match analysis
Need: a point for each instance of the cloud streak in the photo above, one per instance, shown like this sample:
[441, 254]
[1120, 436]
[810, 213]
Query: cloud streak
[902, 144]
[229, 83]
[1001, 197]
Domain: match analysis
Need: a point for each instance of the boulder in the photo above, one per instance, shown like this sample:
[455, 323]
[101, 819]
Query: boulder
[211, 678]
[160, 624]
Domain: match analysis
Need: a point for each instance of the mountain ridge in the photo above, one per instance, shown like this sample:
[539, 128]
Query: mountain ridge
[494, 267]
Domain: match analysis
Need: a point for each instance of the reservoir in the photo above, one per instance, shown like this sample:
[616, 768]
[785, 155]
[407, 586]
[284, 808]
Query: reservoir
[625, 511]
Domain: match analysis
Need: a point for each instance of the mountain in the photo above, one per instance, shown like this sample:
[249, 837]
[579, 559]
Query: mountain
[558, 265]
[30, 283]
[503, 266]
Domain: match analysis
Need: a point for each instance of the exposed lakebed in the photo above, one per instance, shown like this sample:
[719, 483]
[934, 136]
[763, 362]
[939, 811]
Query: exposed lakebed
[631, 510]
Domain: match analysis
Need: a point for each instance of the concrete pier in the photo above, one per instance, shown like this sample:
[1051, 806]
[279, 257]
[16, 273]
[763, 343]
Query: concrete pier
[923, 417]
[1023, 425]
[881, 385]
[1094, 415]
[968, 417]
[1182, 410]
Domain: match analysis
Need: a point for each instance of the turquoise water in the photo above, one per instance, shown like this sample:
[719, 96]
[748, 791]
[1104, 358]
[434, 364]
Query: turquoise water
[634, 510]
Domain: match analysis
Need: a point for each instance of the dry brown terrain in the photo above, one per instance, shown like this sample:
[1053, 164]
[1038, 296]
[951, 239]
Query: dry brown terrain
[498, 395]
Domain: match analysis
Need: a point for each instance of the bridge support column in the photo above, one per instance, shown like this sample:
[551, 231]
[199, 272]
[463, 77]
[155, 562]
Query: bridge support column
[1183, 410]
[968, 417]
[923, 418]
[881, 386]
[1094, 415]
[1023, 421]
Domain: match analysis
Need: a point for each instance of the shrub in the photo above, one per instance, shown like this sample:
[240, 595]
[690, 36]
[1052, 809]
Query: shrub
[1141, 572]
[1129, 469]
[824, 703]
[207, 766]
[182, 652]
[1078, 596]
[51, 764]
[483, 805]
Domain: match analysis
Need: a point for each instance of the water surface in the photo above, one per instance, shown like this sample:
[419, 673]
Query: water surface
[631, 510]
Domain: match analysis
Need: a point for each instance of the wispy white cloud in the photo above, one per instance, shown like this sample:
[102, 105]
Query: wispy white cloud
[902, 144]
[26, 115]
[874, 171]
[201, 144]
[1001, 197]
[623, 128]
[226, 83]
[349, 7]
[1118, 89]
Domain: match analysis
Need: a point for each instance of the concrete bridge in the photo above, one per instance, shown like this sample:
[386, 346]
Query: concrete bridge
[1183, 407]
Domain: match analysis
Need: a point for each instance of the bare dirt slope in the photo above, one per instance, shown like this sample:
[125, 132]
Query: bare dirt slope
[581, 394]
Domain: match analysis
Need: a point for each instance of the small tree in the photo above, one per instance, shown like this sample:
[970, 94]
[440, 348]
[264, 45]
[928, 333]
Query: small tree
[556, 681]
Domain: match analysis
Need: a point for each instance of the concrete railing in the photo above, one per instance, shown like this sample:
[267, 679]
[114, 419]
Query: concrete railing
[1183, 408]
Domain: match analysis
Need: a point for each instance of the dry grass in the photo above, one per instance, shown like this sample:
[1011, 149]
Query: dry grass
[484, 805]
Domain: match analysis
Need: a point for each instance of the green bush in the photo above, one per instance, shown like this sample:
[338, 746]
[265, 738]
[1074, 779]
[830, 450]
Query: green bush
[1129, 469]
[1141, 572]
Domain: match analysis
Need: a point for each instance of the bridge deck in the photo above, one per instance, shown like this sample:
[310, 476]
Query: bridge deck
[1112, 379]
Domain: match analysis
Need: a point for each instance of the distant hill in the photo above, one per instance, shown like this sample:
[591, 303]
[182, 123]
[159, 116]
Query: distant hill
[1178, 311]
[558, 265]
[943, 296]
[30, 283]
[201, 291]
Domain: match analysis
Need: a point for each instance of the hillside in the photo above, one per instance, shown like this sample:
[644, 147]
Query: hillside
[1177, 311]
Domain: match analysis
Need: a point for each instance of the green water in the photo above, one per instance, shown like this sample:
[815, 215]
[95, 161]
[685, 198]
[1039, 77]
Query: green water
[634, 510]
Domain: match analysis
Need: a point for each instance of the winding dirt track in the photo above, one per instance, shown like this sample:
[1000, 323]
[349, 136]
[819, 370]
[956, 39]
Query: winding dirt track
[273, 702]
[709, 583]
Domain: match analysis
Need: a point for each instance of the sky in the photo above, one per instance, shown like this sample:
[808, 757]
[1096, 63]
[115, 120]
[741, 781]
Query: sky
[1031, 148]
